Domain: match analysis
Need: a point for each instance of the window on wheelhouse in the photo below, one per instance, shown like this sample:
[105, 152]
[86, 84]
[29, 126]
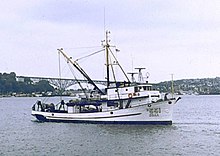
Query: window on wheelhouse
[148, 87]
[142, 88]
[136, 89]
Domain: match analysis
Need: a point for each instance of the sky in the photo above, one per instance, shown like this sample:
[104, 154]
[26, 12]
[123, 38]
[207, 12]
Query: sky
[179, 37]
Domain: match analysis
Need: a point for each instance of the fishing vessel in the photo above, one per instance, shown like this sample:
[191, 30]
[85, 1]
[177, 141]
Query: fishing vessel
[120, 102]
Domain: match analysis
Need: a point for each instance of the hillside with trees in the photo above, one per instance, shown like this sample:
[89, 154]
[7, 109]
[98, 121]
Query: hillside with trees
[9, 85]
[206, 86]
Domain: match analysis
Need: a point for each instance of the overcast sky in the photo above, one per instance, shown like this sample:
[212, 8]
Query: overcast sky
[180, 37]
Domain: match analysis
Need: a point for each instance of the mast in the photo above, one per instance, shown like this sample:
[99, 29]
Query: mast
[108, 52]
[107, 58]
[172, 85]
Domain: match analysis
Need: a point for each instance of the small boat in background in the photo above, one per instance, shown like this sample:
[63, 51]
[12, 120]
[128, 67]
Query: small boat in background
[126, 102]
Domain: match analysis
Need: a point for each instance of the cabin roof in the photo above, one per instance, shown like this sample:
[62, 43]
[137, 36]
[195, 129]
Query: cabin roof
[83, 103]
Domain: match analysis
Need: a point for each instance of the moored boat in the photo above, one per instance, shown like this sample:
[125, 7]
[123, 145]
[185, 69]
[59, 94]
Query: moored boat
[126, 102]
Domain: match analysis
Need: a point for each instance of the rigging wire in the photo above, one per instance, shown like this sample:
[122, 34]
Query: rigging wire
[45, 99]
[113, 73]
[84, 47]
[60, 76]
[119, 65]
[90, 55]
[72, 71]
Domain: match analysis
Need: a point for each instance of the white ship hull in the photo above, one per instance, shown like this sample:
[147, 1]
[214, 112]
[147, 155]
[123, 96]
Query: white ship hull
[151, 113]
[121, 102]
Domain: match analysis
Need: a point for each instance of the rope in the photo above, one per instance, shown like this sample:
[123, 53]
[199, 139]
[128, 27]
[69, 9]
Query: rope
[89, 55]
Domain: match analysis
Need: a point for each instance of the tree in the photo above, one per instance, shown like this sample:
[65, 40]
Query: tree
[43, 86]
[8, 84]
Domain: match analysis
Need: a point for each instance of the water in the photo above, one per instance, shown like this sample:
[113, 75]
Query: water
[195, 131]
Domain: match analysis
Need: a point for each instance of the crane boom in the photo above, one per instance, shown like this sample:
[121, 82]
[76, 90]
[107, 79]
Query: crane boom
[76, 65]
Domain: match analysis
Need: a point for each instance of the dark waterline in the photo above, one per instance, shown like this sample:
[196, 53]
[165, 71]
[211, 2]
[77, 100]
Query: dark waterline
[195, 131]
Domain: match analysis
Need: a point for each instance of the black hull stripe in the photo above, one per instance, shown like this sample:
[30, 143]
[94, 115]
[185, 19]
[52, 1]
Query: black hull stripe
[116, 116]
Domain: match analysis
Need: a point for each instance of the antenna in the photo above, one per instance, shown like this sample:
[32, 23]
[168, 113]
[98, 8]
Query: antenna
[132, 62]
[104, 22]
